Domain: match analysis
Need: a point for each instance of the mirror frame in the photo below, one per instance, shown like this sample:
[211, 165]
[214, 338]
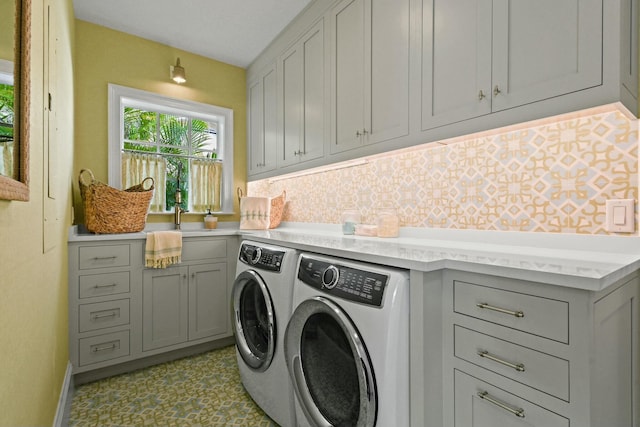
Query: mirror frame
[17, 187]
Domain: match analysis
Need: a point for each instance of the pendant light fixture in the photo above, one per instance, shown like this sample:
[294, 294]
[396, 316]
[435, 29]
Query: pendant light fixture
[177, 73]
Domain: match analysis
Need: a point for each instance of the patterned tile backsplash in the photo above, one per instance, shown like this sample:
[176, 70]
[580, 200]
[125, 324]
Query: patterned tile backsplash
[553, 175]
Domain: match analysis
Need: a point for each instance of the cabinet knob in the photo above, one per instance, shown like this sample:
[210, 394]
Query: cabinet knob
[363, 132]
[496, 91]
[481, 95]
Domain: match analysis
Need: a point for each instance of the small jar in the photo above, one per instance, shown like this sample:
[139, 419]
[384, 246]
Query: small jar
[388, 223]
[210, 221]
[350, 218]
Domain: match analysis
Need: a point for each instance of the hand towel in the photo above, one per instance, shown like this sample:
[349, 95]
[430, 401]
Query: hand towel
[163, 249]
[255, 213]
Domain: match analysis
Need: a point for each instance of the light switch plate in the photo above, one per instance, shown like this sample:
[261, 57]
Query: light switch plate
[620, 216]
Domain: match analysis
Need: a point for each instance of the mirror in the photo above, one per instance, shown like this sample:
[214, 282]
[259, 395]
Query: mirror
[15, 186]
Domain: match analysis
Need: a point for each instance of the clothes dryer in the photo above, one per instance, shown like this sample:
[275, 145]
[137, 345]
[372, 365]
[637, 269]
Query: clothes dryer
[347, 344]
[261, 296]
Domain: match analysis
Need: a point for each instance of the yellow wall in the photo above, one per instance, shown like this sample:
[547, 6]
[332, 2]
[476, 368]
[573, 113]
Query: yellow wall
[106, 56]
[33, 282]
[6, 29]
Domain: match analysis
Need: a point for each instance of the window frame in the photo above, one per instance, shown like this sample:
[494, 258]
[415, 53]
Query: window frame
[121, 95]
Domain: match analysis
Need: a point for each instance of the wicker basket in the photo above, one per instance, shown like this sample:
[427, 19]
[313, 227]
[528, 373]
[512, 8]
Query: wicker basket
[108, 210]
[277, 207]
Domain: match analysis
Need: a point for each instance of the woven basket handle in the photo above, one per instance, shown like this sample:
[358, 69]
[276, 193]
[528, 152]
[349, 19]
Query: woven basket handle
[145, 180]
[81, 177]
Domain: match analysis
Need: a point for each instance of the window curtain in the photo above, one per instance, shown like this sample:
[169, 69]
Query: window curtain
[206, 181]
[138, 166]
[6, 154]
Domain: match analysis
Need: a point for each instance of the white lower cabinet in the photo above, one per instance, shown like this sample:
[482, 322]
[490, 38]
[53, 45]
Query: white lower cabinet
[519, 353]
[120, 311]
[479, 404]
[182, 304]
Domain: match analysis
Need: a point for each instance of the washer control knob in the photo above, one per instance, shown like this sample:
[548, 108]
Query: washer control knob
[254, 256]
[330, 277]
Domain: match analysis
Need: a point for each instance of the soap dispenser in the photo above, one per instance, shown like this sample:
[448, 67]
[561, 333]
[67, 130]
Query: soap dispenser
[210, 221]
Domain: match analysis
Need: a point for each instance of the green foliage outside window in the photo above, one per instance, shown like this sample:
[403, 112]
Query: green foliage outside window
[6, 113]
[177, 138]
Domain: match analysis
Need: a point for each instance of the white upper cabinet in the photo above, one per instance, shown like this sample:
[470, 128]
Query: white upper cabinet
[369, 72]
[544, 48]
[484, 56]
[629, 54]
[303, 99]
[262, 122]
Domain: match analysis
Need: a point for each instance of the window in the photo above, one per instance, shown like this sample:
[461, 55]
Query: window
[184, 146]
[6, 117]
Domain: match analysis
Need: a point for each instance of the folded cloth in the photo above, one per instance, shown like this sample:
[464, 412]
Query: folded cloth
[255, 213]
[163, 249]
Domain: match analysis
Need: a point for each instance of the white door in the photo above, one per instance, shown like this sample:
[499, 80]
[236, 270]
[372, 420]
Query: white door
[262, 123]
[347, 75]
[544, 48]
[303, 99]
[388, 114]
[164, 307]
[208, 300]
[456, 61]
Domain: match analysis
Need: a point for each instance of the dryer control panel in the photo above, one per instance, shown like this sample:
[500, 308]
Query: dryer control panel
[365, 287]
[259, 257]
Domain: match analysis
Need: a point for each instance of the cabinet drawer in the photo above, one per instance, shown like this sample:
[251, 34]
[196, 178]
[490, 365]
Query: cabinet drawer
[479, 404]
[103, 256]
[544, 317]
[95, 285]
[102, 315]
[541, 371]
[103, 347]
[200, 249]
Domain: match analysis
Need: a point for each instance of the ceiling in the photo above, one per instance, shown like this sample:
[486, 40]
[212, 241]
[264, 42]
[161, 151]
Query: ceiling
[231, 31]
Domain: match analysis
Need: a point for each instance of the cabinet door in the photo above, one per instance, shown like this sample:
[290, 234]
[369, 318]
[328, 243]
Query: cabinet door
[456, 61]
[479, 404]
[388, 114]
[629, 52]
[164, 307]
[347, 74]
[544, 48]
[262, 123]
[303, 99]
[208, 300]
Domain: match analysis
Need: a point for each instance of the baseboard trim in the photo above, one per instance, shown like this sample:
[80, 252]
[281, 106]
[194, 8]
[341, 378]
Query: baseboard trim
[64, 401]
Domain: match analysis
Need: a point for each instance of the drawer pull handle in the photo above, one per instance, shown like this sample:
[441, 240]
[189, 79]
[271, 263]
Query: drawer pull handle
[105, 348]
[106, 285]
[102, 258]
[102, 316]
[517, 366]
[518, 412]
[518, 314]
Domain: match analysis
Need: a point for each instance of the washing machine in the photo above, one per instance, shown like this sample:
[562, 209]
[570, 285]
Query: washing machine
[262, 297]
[347, 344]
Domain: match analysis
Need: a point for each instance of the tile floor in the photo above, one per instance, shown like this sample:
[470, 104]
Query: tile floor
[202, 390]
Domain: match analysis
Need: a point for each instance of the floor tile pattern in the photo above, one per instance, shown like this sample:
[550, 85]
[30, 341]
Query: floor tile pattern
[202, 390]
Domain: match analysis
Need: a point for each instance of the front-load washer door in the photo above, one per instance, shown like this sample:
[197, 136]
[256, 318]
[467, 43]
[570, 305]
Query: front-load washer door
[254, 320]
[329, 366]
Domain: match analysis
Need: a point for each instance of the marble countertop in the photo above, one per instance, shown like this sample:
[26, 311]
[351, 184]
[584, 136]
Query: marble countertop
[575, 261]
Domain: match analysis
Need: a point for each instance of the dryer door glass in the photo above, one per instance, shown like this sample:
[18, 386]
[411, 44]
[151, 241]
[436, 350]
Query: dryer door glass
[333, 374]
[254, 320]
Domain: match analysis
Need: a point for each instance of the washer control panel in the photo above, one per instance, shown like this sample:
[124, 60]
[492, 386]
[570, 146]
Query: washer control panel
[362, 286]
[259, 257]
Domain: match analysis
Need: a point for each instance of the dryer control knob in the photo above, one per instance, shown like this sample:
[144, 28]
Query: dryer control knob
[330, 277]
[255, 255]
